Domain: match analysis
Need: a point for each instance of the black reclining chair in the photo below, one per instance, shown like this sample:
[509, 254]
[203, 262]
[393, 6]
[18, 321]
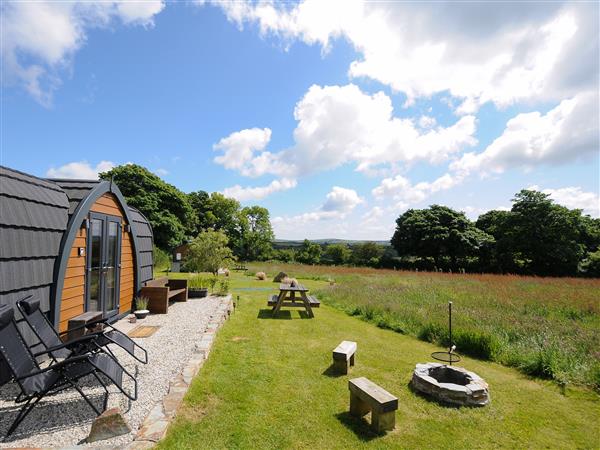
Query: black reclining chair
[29, 308]
[37, 383]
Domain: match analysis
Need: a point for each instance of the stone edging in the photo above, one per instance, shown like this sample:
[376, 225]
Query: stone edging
[155, 425]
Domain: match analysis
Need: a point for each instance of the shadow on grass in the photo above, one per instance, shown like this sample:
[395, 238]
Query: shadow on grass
[284, 314]
[268, 314]
[359, 425]
[331, 372]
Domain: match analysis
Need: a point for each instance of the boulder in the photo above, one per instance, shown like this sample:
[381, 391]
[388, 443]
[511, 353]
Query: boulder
[279, 277]
[109, 424]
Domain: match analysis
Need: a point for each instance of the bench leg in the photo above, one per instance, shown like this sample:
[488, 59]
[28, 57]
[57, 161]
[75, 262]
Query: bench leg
[352, 360]
[341, 366]
[383, 421]
[358, 408]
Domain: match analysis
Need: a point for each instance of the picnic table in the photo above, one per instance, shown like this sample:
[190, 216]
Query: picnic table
[293, 297]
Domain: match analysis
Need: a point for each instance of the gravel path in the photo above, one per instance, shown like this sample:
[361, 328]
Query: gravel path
[65, 419]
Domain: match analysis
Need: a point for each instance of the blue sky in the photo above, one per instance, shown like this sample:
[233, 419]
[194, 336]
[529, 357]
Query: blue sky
[335, 116]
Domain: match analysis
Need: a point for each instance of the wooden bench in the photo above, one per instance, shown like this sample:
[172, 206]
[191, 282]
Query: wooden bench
[240, 268]
[162, 290]
[366, 396]
[314, 303]
[343, 356]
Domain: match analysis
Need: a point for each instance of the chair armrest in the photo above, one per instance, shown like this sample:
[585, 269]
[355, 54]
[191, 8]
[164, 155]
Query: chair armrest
[178, 284]
[86, 338]
[58, 365]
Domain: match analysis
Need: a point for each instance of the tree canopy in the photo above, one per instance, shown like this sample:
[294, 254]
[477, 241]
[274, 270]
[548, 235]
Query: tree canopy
[209, 251]
[255, 234]
[440, 233]
[166, 207]
[309, 253]
[337, 253]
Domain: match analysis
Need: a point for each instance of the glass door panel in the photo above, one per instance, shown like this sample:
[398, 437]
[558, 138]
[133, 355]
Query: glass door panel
[95, 264]
[112, 261]
[104, 261]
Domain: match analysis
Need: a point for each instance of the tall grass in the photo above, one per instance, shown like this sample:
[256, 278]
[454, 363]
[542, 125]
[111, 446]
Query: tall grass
[546, 327]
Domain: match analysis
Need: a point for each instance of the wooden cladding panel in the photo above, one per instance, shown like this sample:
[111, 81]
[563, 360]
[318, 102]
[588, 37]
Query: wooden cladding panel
[127, 273]
[74, 283]
[107, 204]
[68, 314]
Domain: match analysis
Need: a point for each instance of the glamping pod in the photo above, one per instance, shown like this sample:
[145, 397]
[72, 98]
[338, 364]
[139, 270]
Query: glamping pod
[74, 244]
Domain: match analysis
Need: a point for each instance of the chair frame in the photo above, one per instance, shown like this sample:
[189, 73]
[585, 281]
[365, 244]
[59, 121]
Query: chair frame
[64, 380]
[99, 334]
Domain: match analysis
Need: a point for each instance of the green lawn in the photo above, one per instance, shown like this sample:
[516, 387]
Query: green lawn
[267, 385]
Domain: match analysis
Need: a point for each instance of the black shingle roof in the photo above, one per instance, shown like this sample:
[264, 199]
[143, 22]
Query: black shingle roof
[33, 218]
[143, 231]
[76, 190]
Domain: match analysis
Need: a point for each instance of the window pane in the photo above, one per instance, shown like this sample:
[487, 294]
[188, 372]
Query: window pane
[113, 262]
[96, 249]
[94, 289]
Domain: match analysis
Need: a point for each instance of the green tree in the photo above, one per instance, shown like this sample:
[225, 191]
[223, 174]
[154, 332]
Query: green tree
[209, 251]
[166, 207]
[309, 253]
[543, 237]
[285, 255]
[495, 254]
[223, 214]
[440, 233]
[590, 266]
[367, 254]
[255, 235]
[337, 254]
[200, 203]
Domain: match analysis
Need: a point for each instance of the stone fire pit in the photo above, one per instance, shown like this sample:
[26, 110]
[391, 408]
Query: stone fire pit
[450, 384]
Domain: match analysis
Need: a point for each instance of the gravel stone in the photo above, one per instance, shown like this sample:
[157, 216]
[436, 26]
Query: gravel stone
[64, 420]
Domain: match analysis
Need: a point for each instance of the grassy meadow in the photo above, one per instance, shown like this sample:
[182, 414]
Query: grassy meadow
[546, 327]
[268, 384]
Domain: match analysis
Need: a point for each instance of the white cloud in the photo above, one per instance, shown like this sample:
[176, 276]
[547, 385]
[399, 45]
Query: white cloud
[80, 170]
[565, 133]
[478, 52]
[240, 148]
[574, 197]
[339, 125]
[256, 193]
[339, 202]
[39, 39]
[405, 194]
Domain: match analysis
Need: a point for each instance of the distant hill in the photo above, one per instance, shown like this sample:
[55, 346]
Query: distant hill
[288, 243]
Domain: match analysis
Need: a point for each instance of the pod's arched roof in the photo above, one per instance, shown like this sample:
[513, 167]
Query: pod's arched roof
[33, 219]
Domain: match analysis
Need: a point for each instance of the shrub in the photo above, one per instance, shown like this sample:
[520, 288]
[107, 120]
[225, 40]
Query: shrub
[261, 276]
[209, 252]
[223, 287]
[162, 260]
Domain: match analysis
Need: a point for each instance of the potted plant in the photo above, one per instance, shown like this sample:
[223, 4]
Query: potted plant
[141, 303]
[197, 287]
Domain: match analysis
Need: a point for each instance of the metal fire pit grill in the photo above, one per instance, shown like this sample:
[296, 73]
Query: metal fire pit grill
[449, 356]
